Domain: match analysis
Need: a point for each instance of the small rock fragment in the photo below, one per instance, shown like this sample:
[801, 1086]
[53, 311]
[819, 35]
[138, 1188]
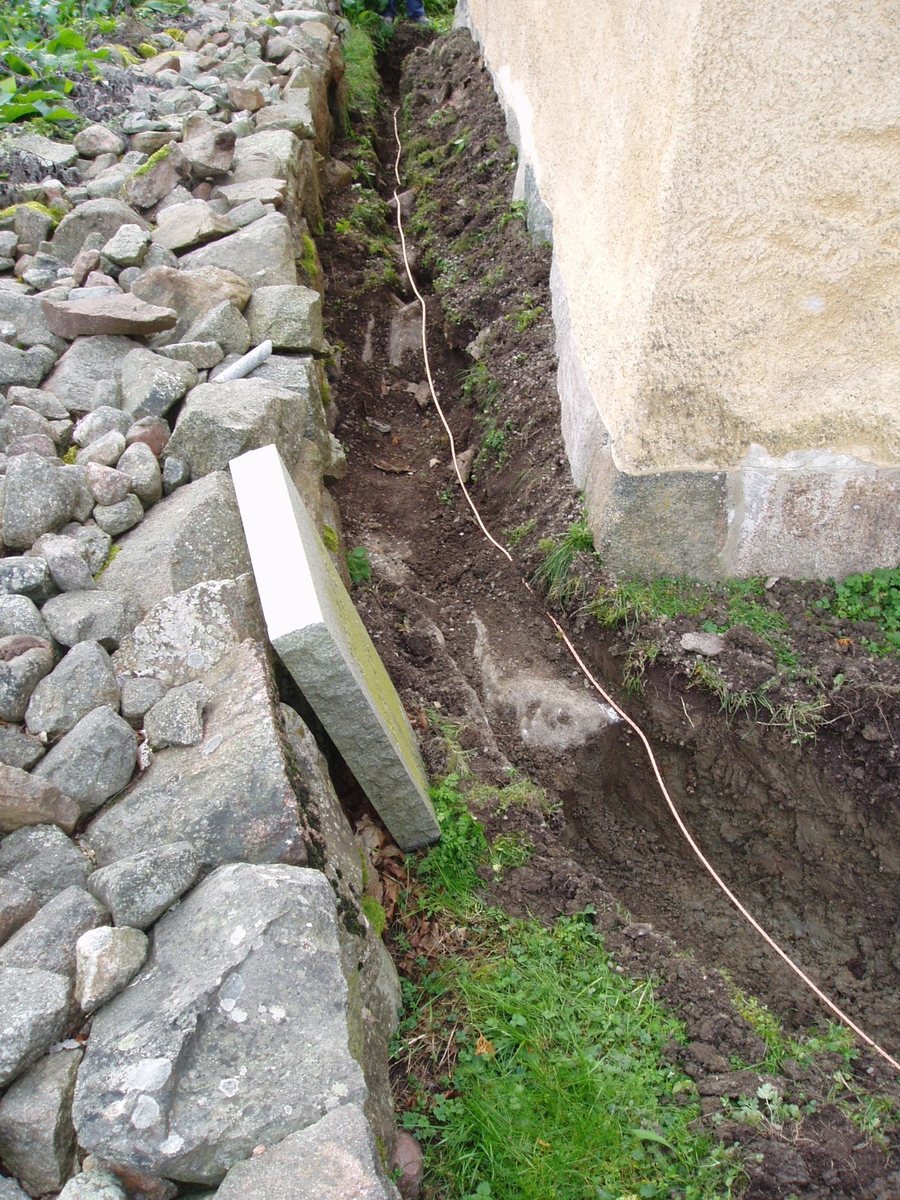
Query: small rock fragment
[106, 315]
[95, 545]
[261, 253]
[107, 485]
[137, 890]
[23, 577]
[290, 317]
[191, 224]
[97, 424]
[105, 450]
[19, 749]
[151, 384]
[48, 940]
[176, 473]
[191, 293]
[318, 1160]
[96, 1184]
[92, 142]
[18, 904]
[18, 614]
[202, 355]
[139, 694]
[25, 801]
[209, 152]
[81, 682]
[152, 431]
[117, 518]
[177, 719]
[127, 246]
[410, 1162]
[67, 564]
[707, 644]
[24, 661]
[25, 367]
[93, 761]
[43, 859]
[141, 467]
[87, 616]
[107, 959]
[39, 499]
[153, 181]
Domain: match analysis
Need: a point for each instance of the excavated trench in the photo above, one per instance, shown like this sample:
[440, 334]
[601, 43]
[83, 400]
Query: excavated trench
[805, 832]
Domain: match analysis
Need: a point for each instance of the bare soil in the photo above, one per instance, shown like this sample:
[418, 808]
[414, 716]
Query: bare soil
[805, 831]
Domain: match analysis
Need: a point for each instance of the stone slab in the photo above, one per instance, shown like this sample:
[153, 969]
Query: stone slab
[190, 537]
[230, 796]
[320, 638]
[233, 1035]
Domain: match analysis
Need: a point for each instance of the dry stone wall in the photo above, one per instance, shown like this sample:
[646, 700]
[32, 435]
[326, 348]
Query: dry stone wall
[190, 992]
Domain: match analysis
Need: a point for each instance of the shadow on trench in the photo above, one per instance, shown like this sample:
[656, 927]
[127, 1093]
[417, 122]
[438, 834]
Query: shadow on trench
[817, 872]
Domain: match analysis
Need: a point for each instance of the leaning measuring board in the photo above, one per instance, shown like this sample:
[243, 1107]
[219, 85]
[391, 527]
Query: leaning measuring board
[321, 640]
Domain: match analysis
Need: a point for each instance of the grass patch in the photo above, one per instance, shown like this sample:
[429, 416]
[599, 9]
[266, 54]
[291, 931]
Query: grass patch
[798, 718]
[554, 1083]
[518, 793]
[366, 223]
[629, 602]
[736, 602]
[556, 573]
[480, 386]
[440, 13]
[515, 536]
[363, 85]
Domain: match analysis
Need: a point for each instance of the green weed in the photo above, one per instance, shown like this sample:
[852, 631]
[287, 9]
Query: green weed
[38, 57]
[479, 384]
[518, 793]
[358, 565]
[629, 602]
[517, 211]
[640, 657]
[367, 17]
[451, 732]
[799, 718]
[510, 850]
[450, 869]
[873, 597]
[493, 445]
[528, 315]
[440, 13]
[450, 273]
[517, 535]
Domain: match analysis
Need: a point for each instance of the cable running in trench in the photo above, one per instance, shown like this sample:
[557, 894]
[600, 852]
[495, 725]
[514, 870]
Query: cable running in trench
[685, 832]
